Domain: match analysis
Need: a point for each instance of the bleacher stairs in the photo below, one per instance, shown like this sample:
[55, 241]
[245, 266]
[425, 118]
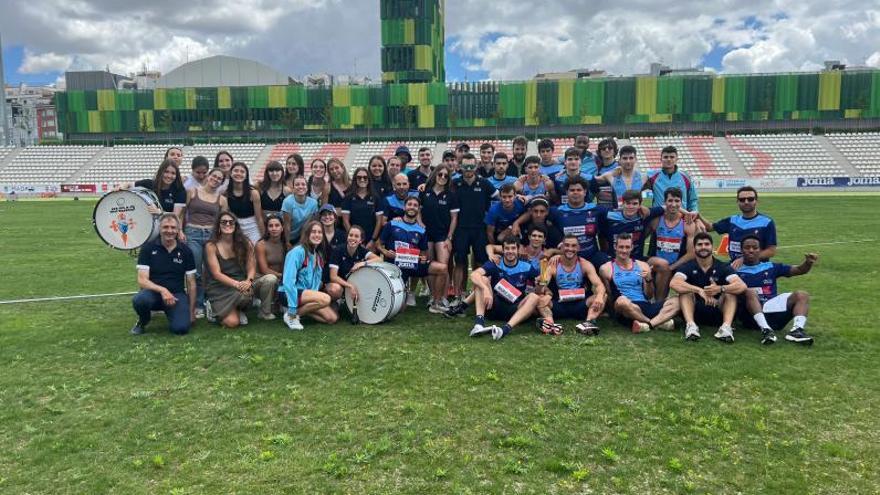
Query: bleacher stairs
[732, 159]
[849, 169]
[73, 179]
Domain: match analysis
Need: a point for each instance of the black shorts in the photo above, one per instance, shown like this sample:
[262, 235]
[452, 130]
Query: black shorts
[648, 308]
[421, 270]
[469, 239]
[502, 310]
[707, 315]
[436, 236]
[777, 320]
[570, 310]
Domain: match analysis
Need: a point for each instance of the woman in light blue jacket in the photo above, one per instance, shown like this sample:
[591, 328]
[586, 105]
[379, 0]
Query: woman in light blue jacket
[303, 267]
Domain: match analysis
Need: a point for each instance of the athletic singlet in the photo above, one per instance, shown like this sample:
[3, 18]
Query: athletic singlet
[667, 242]
[569, 280]
[539, 190]
[620, 186]
[200, 212]
[268, 204]
[628, 282]
[535, 260]
[242, 207]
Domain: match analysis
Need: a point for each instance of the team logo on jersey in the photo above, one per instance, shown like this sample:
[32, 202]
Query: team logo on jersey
[122, 224]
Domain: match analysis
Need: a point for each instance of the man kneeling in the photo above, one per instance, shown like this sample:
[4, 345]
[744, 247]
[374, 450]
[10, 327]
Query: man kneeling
[500, 291]
[716, 284]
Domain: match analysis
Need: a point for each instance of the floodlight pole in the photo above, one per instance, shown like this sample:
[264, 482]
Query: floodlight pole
[4, 118]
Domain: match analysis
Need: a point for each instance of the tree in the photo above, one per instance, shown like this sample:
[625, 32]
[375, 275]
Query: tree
[290, 120]
[408, 117]
[453, 121]
[165, 121]
[327, 115]
[368, 119]
[145, 127]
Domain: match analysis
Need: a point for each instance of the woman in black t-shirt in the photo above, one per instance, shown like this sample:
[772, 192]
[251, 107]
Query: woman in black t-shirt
[379, 180]
[345, 259]
[168, 188]
[361, 206]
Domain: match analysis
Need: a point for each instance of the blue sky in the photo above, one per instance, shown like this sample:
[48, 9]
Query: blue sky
[12, 57]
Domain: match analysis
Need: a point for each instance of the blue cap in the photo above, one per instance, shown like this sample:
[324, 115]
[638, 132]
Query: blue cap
[403, 150]
[327, 207]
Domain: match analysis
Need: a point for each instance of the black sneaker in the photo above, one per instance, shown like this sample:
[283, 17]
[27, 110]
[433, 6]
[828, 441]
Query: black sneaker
[354, 316]
[768, 336]
[798, 336]
[589, 328]
[457, 310]
[137, 329]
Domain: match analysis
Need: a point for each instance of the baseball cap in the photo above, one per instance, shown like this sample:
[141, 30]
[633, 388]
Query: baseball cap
[463, 147]
[327, 207]
[403, 150]
[448, 154]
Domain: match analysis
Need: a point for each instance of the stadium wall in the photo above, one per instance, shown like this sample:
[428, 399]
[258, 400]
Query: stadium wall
[701, 100]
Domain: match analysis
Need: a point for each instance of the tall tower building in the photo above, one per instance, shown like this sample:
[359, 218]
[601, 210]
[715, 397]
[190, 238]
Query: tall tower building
[412, 41]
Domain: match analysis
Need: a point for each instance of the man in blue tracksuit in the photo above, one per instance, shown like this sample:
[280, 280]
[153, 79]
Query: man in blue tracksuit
[671, 176]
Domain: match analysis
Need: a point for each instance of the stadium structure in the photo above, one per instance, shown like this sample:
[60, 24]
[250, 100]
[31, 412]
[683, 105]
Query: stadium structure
[729, 128]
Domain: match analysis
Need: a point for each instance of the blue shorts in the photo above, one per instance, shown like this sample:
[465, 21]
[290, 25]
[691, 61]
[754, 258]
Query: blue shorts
[648, 308]
[570, 310]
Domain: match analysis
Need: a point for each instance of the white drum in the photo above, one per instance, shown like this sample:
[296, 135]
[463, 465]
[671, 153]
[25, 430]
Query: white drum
[121, 218]
[382, 292]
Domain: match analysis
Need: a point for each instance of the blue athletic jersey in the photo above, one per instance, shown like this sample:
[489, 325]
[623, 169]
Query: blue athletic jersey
[616, 223]
[628, 283]
[560, 183]
[582, 222]
[407, 240]
[588, 165]
[669, 243]
[762, 278]
[392, 206]
[620, 186]
[737, 227]
[497, 183]
[607, 168]
[539, 190]
[501, 218]
[660, 181]
[517, 275]
[552, 170]
[569, 280]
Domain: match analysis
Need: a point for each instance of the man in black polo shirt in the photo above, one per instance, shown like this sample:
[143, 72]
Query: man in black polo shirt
[474, 195]
[519, 148]
[420, 174]
[163, 266]
[717, 286]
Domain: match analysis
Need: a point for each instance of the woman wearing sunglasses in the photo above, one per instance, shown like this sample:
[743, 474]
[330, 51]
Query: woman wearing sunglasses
[440, 214]
[361, 207]
[231, 269]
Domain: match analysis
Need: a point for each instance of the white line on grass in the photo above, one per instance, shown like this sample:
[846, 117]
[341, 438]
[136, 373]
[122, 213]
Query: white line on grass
[825, 243]
[66, 298]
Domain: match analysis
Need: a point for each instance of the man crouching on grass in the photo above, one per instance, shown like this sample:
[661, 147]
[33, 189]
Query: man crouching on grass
[500, 292]
[163, 266]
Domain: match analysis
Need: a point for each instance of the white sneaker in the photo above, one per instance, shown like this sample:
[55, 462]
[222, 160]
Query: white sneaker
[436, 309]
[410, 299]
[479, 330]
[444, 303]
[725, 334]
[667, 325]
[292, 321]
[692, 332]
[200, 313]
[242, 318]
[425, 292]
[209, 313]
[497, 332]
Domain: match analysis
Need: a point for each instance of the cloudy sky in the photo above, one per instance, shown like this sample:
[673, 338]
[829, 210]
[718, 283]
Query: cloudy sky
[512, 39]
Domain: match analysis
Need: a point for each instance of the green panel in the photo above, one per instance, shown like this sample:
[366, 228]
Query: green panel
[82, 122]
[341, 116]
[296, 97]
[512, 100]
[319, 98]
[91, 100]
[808, 93]
[785, 99]
[620, 99]
[128, 121]
[207, 98]
[589, 97]
[176, 99]
[760, 93]
[548, 102]
[238, 97]
[110, 121]
[125, 100]
[735, 94]
[875, 92]
[360, 96]
[670, 91]
[855, 90]
[224, 98]
[697, 96]
[77, 101]
[258, 97]
[397, 94]
[437, 94]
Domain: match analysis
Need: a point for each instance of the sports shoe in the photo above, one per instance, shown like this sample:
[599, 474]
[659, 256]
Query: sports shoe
[200, 313]
[725, 334]
[667, 325]
[292, 321]
[429, 303]
[768, 336]
[424, 292]
[209, 313]
[457, 310]
[242, 318]
[497, 332]
[267, 317]
[640, 327]
[137, 329]
[798, 336]
[355, 319]
[480, 330]
[455, 301]
[410, 299]
[692, 332]
[436, 309]
[549, 327]
[588, 328]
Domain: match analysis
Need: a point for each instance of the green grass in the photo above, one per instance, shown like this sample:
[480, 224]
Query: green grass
[416, 406]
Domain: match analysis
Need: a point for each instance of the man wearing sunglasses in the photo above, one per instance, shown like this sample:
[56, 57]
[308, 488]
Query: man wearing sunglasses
[475, 195]
[748, 223]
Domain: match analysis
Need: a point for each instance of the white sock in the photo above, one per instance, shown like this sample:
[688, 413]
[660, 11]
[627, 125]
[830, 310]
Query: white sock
[761, 321]
[800, 321]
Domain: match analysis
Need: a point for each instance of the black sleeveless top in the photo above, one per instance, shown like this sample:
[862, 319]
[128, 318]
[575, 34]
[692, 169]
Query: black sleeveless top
[269, 204]
[240, 205]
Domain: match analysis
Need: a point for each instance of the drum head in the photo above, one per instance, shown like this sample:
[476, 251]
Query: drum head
[377, 296]
[121, 219]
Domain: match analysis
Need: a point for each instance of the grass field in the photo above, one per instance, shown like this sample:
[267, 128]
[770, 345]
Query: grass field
[415, 406]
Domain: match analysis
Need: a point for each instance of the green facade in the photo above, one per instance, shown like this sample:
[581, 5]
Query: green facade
[412, 41]
[436, 105]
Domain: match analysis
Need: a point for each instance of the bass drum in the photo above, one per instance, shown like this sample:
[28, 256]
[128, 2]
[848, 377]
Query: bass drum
[382, 292]
[121, 218]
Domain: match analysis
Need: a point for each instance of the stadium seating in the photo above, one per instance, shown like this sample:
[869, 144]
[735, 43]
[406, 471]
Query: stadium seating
[783, 155]
[386, 149]
[699, 156]
[126, 164]
[861, 149]
[47, 164]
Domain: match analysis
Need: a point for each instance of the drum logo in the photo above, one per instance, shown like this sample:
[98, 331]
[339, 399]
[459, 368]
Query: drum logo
[122, 225]
[378, 300]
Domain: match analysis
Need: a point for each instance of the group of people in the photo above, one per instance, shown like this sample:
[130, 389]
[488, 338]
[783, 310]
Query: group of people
[544, 236]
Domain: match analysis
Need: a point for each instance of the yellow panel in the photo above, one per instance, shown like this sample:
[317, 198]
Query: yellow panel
[357, 115]
[531, 96]
[795, 115]
[409, 32]
[852, 113]
[423, 57]
[191, 98]
[341, 96]
[646, 97]
[565, 98]
[660, 117]
[160, 100]
[277, 96]
[426, 116]
[94, 121]
[718, 95]
[732, 116]
[145, 120]
[829, 90]
[224, 97]
[591, 119]
[106, 99]
[314, 126]
[417, 94]
[480, 123]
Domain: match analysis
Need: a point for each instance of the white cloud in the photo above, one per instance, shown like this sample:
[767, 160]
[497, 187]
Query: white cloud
[33, 63]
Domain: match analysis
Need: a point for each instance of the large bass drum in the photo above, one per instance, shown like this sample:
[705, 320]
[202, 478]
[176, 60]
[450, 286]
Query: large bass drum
[382, 292]
[121, 218]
